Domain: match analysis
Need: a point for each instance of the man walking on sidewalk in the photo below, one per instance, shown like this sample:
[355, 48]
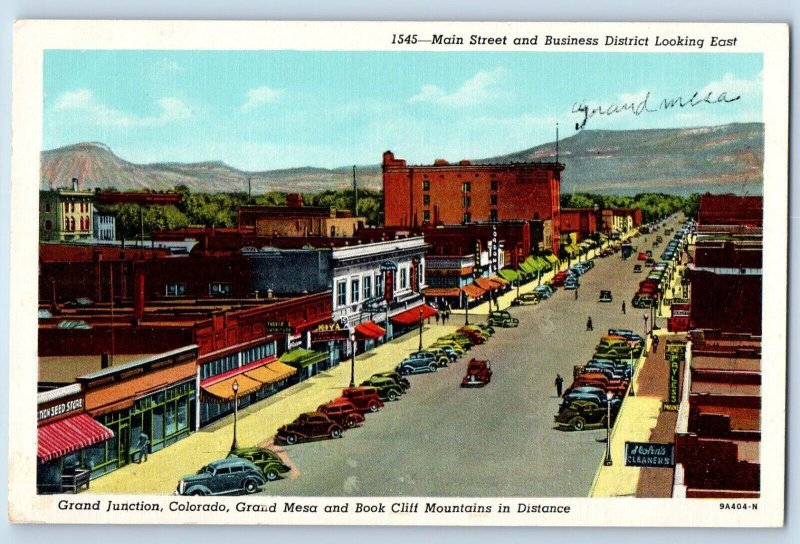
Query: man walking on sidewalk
[623, 307]
[589, 326]
[559, 384]
[576, 294]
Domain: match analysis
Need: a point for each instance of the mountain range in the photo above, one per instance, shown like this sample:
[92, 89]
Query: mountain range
[725, 158]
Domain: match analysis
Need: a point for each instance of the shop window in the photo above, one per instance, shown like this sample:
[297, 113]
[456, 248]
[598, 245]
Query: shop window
[176, 289]
[220, 289]
[355, 289]
[367, 287]
[341, 293]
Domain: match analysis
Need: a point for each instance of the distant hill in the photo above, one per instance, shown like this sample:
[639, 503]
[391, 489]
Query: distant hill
[727, 158]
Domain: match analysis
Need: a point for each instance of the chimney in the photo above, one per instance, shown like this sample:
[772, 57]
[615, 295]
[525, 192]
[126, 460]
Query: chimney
[104, 361]
[74, 184]
[138, 294]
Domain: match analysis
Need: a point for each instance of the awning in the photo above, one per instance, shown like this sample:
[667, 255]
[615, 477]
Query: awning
[68, 435]
[485, 284]
[532, 264]
[508, 274]
[544, 264]
[552, 259]
[499, 282]
[300, 358]
[412, 316]
[223, 390]
[473, 291]
[369, 331]
[442, 292]
[271, 373]
[526, 268]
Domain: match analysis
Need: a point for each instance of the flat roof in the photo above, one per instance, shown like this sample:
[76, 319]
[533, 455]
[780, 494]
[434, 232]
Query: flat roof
[742, 419]
[65, 369]
[725, 389]
[700, 362]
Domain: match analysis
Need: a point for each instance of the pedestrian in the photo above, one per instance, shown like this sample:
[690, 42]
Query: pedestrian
[437, 318]
[576, 294]
[559, 384]
[623, 306]
[143, 445]
[589, 326]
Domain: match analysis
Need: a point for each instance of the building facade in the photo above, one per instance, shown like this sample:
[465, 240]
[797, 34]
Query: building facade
[104, 227]
[461, 193]
[66, 214]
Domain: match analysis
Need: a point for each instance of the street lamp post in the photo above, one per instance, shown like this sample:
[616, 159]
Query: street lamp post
[608, 462]
[645, 316]
[352, 360]
[466, 309]
[420, 329]
[235, 386]
[631, 392]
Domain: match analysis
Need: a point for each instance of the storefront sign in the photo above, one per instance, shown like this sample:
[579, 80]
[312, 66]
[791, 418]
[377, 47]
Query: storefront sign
[279, 327]
[478, 269]
[495, 257]
[329, 333]
[648, 454]
[674, 369]
[61, 408]
[388, 285]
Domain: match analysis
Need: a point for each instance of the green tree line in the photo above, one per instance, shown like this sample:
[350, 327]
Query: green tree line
[654, 206]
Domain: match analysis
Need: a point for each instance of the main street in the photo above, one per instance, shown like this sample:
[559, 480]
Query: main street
[442, 440]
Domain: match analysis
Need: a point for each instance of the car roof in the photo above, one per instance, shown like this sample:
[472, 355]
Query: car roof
[229, 461]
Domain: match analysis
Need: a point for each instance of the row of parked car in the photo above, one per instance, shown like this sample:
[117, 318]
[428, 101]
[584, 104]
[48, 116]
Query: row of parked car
[570, 279]
[651, 288]
[599, 387]
[539, 293]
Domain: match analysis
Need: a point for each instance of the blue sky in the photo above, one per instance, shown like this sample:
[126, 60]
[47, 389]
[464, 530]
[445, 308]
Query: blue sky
[263, 110]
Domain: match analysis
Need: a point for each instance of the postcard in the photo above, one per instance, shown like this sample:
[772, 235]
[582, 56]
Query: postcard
[399, 273]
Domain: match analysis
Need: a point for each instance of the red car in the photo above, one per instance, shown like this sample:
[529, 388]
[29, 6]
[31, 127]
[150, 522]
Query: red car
[342, 412]
[642, 256]
[596, 379]
[307, 427]
[474, 336]
[558, 279]
[365, 399]
[479, 373]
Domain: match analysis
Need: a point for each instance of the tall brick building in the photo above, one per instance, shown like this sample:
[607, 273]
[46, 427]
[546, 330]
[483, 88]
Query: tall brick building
[452, 194]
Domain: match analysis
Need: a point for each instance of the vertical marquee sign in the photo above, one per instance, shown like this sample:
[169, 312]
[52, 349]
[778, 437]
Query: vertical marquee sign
[388, 268]
[494, 259]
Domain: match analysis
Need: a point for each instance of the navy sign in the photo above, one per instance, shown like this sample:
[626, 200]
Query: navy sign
[648, 454]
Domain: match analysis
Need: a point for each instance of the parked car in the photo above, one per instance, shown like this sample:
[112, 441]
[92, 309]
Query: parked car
[307, 427]
[587, 392]
[502, 318]
[223, 477]
[605, 296]
[450, 344]
[618, 370]
[267, 461]
[650, 263]
[460, 339]
[594, 379]
[448, 349]
[627, 334]
[544, 291]
[387, 388]
[583, 414]
[415, 366]
[479, 373]
[430, 357]
[485, 327]
[342, 412]
[571, 284]
[527, 298]
[476, 337]
[365, 399]
[398, 379]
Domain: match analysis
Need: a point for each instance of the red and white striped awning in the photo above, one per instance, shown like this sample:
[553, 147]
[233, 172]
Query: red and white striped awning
[68, 435]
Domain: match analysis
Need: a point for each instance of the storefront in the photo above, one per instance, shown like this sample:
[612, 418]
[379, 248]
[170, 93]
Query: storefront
[67, 440]
[411, 319]
[307, 363]
[147, 405]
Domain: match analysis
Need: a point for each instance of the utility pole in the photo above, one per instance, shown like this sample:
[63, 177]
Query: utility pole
[355, 193]
[249, 191]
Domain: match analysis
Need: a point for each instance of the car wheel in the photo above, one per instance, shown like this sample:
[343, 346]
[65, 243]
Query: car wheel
[271, 475]
[197, 493]
[250, 486]
[350, 422]
[291, 439]
[373, 406]
[335, 432]
[391, 395]
[432, 368]
[578, 424]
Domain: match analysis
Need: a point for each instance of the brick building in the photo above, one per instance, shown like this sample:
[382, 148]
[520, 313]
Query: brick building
[729, 209]
[295, 219]
[452, 194]
[581, 221]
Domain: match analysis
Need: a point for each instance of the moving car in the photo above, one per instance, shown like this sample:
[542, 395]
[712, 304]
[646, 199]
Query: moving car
[387, 388]
[267, 461]
[365, 399]
[502, 318]
[583, 414]
[605, 296]
[637, 269]
[307, 427]
[223, 477]
[415, 366]
[479, 373]
[342, 412]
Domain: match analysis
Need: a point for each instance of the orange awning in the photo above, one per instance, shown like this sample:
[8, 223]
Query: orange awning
[485, 284]
[412, 316]
[473, 291]
[498, 281]
[369, 331]
[271, 373]
[223, 390]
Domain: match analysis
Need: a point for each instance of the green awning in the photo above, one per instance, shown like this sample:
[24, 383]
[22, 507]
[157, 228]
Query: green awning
[526, 268]
[508, 274]
[552, 259]
[571, 250]
[532, 264]
[544, 264]
[300, 358]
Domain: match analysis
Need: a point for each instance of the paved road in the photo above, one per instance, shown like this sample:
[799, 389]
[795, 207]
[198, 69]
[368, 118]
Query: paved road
[441, 440]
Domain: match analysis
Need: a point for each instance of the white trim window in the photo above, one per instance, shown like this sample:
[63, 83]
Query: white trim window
[341, 293]
[355, 290]
[367, 287]
[403, 278]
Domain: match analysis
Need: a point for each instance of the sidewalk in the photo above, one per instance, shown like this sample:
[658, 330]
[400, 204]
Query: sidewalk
[258, 423]
[637, 421]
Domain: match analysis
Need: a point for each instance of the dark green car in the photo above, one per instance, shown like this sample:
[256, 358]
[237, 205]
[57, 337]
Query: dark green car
[502, 319]
[266, 460]
[387, 388]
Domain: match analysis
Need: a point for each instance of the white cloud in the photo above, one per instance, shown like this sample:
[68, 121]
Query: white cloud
[479, 89]
[260, 96]
[82, 100]
[734, 86]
